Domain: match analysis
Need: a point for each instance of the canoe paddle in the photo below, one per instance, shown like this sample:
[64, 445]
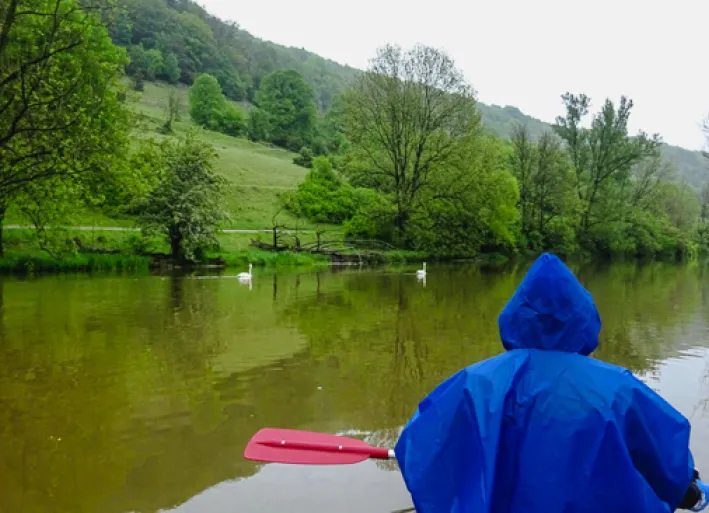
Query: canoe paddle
[309, 448]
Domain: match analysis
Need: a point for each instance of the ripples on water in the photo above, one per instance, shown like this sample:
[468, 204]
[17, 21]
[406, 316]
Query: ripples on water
[138, 394]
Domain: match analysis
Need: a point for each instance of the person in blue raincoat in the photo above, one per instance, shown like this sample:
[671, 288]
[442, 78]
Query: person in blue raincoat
[543, 428]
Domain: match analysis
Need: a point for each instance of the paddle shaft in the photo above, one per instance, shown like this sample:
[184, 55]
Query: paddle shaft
[378, 453]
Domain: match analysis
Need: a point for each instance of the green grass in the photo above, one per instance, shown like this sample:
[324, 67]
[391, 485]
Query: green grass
[257, 173]
[43, 263]
[260, 258]
[23, 254]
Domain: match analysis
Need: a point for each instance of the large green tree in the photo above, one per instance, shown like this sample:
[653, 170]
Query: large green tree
[59, 114]
[408, 118]
[602, 155]
[289, 103]
[210, 109]
[186, 206]
[546, 189]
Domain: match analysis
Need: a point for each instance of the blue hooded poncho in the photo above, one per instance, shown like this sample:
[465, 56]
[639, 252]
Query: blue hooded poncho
[542, 428]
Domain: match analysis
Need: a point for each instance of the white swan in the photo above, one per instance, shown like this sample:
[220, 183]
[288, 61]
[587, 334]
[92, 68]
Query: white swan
[245, 276]
[421, 272]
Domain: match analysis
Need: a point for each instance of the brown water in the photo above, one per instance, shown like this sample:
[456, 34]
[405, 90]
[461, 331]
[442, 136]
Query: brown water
[138, 394]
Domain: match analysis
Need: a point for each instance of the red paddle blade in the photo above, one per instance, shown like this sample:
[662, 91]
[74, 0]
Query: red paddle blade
[309, 448]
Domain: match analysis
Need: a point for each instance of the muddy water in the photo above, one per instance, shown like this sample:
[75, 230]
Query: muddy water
[139, 393]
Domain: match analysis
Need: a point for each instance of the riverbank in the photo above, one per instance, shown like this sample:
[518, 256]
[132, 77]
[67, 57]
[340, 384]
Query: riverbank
[110, 250]
[105, 250]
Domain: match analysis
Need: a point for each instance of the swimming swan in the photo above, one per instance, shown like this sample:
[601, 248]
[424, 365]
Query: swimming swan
[245, 276]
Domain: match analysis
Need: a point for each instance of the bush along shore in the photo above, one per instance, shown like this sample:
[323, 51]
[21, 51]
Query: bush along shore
[26, 252]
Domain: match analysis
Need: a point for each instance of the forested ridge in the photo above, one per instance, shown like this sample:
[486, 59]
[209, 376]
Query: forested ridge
[402, 153]
[202, 42]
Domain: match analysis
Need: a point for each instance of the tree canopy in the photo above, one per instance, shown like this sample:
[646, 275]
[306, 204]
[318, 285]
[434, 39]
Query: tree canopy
[186, 205]
[60, 118]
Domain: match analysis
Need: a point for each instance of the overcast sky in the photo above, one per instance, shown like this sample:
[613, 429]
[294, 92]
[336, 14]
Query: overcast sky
[522, 52]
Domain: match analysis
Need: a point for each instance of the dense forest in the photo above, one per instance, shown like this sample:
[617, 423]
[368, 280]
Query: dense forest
[402, 153]
[176, 40]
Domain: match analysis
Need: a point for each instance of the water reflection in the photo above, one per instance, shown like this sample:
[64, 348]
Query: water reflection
[139, 394]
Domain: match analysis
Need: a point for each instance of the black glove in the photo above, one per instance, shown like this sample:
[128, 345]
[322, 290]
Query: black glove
[693, 494]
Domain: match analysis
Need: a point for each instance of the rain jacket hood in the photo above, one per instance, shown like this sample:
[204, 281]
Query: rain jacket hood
[543, 428]
[550, 310]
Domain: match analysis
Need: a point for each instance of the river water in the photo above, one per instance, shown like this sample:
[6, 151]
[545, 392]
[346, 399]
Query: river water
[139, 393]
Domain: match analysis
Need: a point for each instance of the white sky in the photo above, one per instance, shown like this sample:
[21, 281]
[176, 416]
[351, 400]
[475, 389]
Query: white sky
[524, 53]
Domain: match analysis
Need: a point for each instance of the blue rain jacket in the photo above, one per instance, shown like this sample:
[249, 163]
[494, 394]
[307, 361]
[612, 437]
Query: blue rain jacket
[543, 428]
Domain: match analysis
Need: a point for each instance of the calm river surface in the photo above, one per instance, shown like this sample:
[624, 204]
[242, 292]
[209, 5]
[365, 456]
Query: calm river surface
[139, 393]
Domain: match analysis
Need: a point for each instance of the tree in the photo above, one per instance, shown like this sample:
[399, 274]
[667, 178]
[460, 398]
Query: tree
[172, 112]
[602, 154]
[146, 64]
[323, 197]
[154, 62]
[408, 116]
[171, 69]
[186, 206]
[232, 121]
[232, 85]
[470, 205]
[259, 127]
[138, 61]
[210, 109]
[206, 101]
[545, 185]
[60, 118]
[645, 178]
[289, 103]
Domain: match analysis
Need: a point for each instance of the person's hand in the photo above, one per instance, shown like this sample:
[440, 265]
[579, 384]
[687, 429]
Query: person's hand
[704, 501]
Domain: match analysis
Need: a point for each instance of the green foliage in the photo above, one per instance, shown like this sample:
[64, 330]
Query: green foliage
[202, 43]
[60, 117]
[333, 127]
[226, 51]
[139, 83]
[373, 217]
[206, 102]
[231, 84]
[470, 208]
[186, 206]
[602, 155]
[145, 64]
[259, 127]
[408, 118]
[547, 198]
[171, 69]
[288, 101]
[323, 197]
[304, 157]
[37, 264]
[232, 121]
[210, 109]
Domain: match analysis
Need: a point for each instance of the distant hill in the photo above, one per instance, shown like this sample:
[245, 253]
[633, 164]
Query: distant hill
[690, 165]
[175, 40]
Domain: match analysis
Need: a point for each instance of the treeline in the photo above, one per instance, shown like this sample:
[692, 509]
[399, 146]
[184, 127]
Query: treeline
[177, 40]
[419, 171]
[400, 156]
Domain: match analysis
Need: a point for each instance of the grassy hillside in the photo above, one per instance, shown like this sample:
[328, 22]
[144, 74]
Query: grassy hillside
[257, 173]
